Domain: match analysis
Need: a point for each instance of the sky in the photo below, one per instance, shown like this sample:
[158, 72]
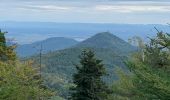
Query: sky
[87, 11]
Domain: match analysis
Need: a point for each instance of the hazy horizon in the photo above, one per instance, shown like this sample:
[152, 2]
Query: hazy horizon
[13, 21]
[28, 32]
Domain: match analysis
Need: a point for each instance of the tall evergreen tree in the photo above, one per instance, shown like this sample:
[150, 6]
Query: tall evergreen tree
[88, 79]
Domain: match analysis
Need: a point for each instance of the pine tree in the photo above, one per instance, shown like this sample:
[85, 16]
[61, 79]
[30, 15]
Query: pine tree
[88, 79]
[151, 68]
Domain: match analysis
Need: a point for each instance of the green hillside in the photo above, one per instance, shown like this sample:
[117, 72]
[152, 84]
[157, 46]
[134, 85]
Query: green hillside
[59, 65]
[107, 40]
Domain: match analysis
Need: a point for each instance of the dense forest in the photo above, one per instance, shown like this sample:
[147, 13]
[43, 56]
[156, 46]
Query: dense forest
[102, 67]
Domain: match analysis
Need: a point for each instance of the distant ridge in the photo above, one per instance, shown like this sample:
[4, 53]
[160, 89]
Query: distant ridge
[48, 45]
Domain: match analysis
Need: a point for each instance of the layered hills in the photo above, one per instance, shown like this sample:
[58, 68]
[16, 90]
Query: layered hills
[59, 65]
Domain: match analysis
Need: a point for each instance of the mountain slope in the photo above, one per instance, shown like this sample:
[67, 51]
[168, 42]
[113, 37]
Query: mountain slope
[48, 45]
[106, 40]
[107, 47]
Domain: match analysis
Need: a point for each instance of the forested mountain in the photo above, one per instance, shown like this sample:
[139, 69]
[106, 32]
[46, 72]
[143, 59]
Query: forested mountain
[48, 45]
[106, 40]
[59, 65]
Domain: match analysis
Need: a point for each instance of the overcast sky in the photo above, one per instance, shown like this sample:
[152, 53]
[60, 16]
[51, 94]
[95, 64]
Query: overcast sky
[89, 11]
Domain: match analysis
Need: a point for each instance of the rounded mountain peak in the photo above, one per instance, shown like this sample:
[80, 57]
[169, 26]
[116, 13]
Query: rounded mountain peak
[106, 40]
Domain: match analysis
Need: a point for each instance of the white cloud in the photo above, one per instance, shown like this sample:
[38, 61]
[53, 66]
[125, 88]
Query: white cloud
[47, 7]
[132, 8]
[101, 8]
[116, 11]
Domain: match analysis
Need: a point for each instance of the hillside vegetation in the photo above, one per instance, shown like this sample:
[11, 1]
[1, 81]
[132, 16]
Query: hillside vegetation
[59, 66]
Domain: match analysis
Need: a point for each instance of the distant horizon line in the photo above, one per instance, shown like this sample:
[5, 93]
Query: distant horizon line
[83, 22]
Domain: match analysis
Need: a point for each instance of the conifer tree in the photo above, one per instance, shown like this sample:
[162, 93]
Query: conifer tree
[88, 79]
[151, 68]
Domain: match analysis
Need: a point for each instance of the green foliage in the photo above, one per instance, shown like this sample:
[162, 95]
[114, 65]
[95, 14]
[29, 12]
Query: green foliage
[56, 98]
[19, 82]
[88, 79]
[151, 68]
[123, 88]
[2, 38]
[6, 52]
